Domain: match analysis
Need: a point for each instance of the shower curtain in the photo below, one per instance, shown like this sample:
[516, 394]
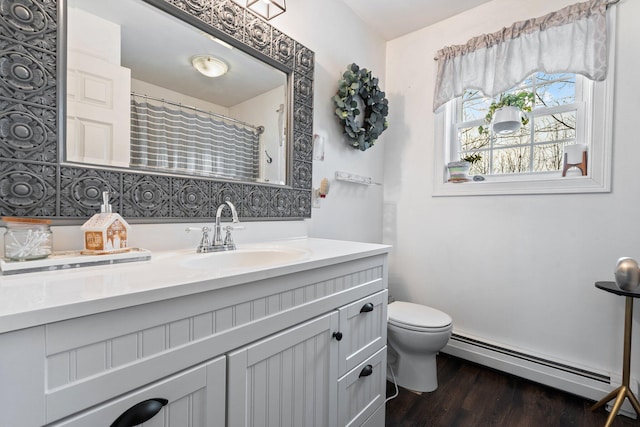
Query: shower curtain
[172, 139]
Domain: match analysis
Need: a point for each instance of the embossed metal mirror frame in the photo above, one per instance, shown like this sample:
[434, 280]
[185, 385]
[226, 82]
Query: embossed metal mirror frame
[35, 183]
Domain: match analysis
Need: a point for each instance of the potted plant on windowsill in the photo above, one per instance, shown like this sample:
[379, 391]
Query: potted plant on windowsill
[459, 170]
[508, 113]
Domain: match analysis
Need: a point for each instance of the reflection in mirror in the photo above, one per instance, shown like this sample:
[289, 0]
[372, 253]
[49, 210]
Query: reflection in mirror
[136, 100]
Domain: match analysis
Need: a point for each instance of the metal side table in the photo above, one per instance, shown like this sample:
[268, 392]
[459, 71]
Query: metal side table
[623, 391]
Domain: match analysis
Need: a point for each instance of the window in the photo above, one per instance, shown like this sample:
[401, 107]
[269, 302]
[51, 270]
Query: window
[568, 109]
[538, 146]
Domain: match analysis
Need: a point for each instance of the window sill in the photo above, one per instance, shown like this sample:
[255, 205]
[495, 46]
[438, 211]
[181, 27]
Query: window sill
[547, 184]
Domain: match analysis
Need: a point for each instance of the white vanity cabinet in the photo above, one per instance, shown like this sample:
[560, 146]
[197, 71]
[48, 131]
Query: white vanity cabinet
[330, 371]
[264, 351]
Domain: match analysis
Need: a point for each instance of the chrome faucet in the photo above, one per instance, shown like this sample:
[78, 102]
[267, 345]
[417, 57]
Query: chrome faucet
[218, 244]
[227, 244]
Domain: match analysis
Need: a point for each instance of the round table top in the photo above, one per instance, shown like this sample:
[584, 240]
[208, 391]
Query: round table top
[613, 288]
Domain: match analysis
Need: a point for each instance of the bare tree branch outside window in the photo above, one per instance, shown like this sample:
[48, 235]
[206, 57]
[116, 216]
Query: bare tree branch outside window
[537, 147]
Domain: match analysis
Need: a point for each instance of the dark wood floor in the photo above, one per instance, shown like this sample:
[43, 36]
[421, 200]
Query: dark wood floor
[469, 395]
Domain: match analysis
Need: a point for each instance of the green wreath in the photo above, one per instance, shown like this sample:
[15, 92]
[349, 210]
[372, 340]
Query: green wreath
[359, 82]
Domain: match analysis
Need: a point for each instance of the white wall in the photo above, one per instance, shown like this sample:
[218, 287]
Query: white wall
[515, 270]
[144, 88]
[338, 38]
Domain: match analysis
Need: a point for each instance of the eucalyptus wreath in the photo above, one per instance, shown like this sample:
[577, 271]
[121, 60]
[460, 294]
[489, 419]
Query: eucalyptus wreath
[355, 83]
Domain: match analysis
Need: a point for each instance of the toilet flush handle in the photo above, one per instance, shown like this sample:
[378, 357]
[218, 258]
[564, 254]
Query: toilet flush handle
[366, 308]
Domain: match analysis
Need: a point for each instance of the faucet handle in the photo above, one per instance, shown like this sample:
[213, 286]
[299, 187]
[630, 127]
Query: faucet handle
[234, 227]
[205, 242]
[228, 240]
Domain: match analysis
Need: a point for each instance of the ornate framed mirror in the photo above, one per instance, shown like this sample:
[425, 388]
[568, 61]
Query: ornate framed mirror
[36, 178]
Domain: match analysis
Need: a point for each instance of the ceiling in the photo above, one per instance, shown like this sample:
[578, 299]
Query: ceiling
[158, 49]
[395, 18]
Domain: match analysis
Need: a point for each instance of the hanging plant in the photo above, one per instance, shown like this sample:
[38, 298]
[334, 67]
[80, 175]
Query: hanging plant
[356, 83]
[524, 101]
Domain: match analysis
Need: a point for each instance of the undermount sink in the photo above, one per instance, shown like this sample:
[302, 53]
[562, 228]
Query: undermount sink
[245, 258]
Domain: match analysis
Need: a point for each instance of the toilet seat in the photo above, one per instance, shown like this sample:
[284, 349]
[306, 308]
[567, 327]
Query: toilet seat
[417, 317]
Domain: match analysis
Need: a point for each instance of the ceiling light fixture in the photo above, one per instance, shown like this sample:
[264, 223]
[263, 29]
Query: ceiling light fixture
[267, 8]
[209, 65]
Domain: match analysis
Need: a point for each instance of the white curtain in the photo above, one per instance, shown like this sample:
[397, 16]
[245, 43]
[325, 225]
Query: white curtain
[572, 39]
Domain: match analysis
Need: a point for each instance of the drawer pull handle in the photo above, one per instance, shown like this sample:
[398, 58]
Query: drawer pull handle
[366, 371]
[140, 412]
[366, 308]
[337, 336]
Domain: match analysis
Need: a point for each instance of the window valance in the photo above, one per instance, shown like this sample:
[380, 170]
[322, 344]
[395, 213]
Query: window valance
[572, 39]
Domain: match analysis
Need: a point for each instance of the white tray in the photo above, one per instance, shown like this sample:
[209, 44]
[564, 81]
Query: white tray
[71, 259]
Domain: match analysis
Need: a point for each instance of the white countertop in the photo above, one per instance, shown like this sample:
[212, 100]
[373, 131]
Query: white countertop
[33, 299]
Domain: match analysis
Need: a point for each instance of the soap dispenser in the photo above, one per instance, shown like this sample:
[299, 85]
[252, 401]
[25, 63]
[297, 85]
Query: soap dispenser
[105, 232]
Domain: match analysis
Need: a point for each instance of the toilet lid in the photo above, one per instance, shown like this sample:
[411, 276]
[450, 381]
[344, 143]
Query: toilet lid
[416, 315]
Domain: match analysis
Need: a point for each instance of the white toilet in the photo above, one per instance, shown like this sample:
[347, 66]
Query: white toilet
[415, 334]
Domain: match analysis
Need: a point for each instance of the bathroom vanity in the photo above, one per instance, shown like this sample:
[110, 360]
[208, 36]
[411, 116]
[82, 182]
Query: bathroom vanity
[287, 333]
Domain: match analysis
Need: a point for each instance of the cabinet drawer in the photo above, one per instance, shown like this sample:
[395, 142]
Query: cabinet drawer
[362, 390]
[364, 330]
[195, 398]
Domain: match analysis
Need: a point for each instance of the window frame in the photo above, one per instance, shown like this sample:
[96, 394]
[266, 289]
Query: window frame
[595, 129]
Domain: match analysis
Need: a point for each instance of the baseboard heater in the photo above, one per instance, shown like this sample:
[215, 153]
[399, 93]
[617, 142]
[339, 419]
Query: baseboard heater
[534, 359]
[574, 380]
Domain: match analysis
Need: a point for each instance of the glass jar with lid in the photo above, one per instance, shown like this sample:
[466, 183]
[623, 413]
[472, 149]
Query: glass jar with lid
[27, 238]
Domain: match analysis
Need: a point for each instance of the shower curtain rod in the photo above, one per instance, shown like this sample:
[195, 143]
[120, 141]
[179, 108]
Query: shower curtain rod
[259, 129]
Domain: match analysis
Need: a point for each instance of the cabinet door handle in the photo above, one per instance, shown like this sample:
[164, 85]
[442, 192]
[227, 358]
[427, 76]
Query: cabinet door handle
[140, 412]
[337, 336]
[366, 371]
[366, 308]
